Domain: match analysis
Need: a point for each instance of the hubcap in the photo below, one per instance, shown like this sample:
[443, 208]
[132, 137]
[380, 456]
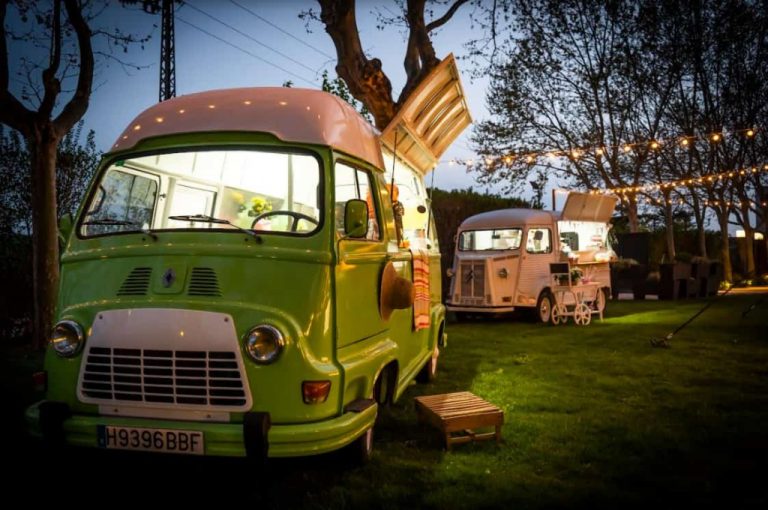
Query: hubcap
[544, 311]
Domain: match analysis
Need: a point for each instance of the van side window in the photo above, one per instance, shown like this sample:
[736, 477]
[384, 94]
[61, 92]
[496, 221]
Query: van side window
[539, 241]
[412, 194]
[355, 183]
[124, 199]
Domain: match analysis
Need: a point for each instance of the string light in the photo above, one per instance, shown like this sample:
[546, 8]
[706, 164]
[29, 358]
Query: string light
[645, 188]
[625, 147]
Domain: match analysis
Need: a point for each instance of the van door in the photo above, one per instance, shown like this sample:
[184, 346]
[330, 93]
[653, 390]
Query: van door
[534, 265]
[360, 261]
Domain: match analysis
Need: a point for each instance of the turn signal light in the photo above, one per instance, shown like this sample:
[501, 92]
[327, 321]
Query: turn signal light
[315, 392]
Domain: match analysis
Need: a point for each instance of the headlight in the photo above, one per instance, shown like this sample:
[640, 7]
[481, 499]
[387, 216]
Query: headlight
[67, 338]
[264, 344]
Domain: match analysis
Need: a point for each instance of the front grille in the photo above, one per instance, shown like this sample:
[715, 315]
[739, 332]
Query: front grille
[473, 282]
[137, 282]
[204, 378]
[204, 282]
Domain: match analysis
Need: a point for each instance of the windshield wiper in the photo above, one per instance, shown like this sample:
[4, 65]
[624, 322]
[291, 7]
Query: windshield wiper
[202, 218]
[114, 222]
[109, 221]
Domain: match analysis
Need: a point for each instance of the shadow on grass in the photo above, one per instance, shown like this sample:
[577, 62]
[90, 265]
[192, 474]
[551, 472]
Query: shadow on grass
[396, 476]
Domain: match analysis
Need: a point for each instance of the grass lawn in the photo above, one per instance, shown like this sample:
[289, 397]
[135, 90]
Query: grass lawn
[595, 417]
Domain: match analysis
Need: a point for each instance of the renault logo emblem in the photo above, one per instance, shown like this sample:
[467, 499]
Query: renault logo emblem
[169, 277]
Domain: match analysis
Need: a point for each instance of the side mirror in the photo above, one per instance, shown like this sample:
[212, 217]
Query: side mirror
[65, 228]
[356, 218]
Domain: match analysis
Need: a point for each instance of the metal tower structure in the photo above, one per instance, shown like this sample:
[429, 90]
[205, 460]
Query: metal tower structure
[167, 54]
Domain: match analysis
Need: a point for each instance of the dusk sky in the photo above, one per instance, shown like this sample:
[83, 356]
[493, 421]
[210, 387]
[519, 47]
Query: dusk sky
[207, 57]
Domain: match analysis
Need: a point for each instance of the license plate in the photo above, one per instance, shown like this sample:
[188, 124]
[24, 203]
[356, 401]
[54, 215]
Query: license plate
[151, 440]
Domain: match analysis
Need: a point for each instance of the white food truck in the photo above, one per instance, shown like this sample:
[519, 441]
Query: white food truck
[502, 259]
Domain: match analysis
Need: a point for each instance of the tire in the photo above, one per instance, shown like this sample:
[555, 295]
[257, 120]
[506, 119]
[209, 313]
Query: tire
[543, 312]
[428, 372]
[359, 451]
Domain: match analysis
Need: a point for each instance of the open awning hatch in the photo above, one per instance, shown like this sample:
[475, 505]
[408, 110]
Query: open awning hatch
[433, 116]
[589, 207]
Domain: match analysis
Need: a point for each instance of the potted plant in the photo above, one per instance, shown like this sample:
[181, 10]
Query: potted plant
[575, 274]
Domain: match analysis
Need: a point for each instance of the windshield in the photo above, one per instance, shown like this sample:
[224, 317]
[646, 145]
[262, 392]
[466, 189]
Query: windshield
[210, 190]
[479, 240]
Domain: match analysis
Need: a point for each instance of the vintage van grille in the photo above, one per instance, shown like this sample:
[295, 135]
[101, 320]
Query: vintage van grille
[473, 282]
[205, 378]
[137, 282]
[204, 282]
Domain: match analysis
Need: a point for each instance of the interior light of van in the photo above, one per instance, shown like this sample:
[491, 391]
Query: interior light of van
[67, 338]
[315, 392]
[264, 343]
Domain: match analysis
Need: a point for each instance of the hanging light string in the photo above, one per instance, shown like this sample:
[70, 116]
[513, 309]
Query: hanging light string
[708, 203]
[601, 150]
[691, 181]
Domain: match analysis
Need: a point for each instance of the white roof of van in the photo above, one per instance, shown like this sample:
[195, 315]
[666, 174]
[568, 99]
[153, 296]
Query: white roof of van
[506, 218]
[290, 114]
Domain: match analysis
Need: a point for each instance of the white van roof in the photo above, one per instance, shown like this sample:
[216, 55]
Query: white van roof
[290, 114]
[506, 218]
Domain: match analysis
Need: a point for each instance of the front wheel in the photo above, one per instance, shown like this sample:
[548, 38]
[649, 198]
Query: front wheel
[544, 307]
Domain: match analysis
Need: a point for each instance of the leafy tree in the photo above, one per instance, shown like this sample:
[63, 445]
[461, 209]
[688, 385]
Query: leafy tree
[577, 74]
[76, 163]
[338, 87]
[46, 110]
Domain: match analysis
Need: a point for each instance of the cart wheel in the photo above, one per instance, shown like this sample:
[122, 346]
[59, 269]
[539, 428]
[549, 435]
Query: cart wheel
[600, 302]
[563, 314]
[555, 315]
[582, 315]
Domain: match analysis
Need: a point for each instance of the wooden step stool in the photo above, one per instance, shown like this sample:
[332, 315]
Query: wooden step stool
[461, 412]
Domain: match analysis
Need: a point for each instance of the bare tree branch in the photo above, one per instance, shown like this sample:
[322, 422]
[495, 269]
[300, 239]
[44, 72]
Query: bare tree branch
[12, 112]
[78, 104]
[442, 20]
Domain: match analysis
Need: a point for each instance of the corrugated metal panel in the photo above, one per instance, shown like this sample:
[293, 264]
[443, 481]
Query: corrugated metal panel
[434, 115]
[533, 277]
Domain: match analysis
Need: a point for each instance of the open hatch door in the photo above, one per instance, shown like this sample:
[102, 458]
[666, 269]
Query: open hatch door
[589, 207]
[433, 116]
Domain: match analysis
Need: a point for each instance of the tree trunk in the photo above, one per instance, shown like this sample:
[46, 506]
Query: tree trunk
[701, 232]
[634, 223]
[725, 252]
[45, 252]
[749, 242]
[669, 226]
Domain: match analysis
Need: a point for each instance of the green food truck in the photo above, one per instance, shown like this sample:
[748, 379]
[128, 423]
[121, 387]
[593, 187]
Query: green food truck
[252, 273]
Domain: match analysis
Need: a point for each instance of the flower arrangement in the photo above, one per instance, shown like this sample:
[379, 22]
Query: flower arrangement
[576, 276]
[259, 206]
